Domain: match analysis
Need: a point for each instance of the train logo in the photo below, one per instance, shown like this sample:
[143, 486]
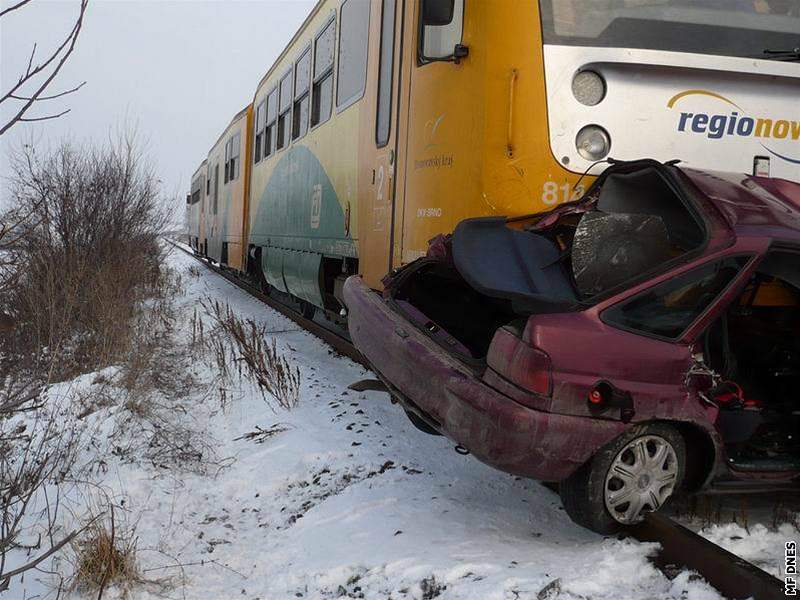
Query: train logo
[316, 206]
[737, 123]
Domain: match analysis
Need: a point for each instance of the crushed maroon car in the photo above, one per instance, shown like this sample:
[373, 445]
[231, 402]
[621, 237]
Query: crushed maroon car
[638, 342]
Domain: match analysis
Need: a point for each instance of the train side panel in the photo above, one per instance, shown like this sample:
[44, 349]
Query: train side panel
[236, 198]
[195, 208]
[226, 205]
[303, 195]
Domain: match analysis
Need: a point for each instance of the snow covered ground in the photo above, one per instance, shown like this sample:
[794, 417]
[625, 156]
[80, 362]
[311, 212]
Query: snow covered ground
[349, 500]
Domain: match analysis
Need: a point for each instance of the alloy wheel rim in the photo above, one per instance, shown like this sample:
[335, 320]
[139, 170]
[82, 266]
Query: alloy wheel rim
[641, 478]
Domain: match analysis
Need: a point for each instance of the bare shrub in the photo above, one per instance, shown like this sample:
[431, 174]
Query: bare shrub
[240, 348]
[34, 453]
[152, 383]
[87, 252]
[80, 258]
[167, 435]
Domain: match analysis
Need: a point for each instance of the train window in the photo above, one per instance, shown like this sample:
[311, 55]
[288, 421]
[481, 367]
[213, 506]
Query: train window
[236, 142]
[232, 152]
[439, 41]
[261, 113]
[216, 187]
[353, 40]
[269, 132]
[226, 177]
[302, 80]
[322, 96]
[383, 123]
[285, 106]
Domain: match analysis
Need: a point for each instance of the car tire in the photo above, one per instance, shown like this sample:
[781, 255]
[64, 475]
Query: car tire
[596, 498]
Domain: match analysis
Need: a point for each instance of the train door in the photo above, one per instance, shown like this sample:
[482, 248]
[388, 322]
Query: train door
[215, 248]
[378, 151]
[441, 148]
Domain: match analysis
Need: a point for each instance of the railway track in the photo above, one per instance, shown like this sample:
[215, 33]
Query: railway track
[681, 548]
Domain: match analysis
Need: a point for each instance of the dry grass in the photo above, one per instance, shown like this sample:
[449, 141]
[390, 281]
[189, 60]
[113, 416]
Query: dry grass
[239, 347]
[104, 555]
[784, 512]
[709, 510]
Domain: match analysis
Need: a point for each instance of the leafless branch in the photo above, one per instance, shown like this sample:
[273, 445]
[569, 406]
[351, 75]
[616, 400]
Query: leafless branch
[14, 7]
[46, 118]
[6, 577]
[61, 55]
[53, 96]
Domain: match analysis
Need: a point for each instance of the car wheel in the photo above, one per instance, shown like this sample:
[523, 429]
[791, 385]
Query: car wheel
[633, 475]
[417, 422]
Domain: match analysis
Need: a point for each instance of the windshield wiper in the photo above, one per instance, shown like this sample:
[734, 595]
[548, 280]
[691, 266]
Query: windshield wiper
[789, 55]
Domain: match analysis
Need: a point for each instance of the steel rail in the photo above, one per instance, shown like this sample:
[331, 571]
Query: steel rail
[730, 575]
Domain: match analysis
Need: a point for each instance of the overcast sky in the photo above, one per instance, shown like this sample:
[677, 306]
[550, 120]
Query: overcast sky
[178, 69]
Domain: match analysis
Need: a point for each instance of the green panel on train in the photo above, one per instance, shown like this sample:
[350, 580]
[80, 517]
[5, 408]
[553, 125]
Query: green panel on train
[299, 220]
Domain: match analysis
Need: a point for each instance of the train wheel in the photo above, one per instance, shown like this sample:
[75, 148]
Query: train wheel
[635, 474]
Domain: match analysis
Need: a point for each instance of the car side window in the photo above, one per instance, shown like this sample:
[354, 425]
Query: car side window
[666, 310]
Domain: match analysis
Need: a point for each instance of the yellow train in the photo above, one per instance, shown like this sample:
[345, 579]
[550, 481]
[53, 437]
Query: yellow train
[386, 122]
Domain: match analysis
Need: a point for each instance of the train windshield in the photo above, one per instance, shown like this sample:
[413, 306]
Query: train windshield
[744, 28]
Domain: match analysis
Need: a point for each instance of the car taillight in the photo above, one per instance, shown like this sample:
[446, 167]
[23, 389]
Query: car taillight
[531, 369]
[525, 365]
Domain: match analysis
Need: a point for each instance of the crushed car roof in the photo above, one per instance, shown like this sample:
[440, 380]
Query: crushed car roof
[752, 206]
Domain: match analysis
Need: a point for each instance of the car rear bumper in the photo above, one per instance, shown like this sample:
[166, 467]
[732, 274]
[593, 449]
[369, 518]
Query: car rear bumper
[493, 427]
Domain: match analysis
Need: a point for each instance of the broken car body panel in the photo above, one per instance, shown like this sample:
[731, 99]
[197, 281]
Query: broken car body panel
[494, 428]
[505, 367]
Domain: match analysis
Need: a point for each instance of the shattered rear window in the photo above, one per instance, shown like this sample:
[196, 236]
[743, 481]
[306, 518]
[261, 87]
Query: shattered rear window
[639, 223]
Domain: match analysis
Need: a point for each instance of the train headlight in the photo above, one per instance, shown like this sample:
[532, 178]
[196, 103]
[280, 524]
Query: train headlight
[588, 88]
[593, 142]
